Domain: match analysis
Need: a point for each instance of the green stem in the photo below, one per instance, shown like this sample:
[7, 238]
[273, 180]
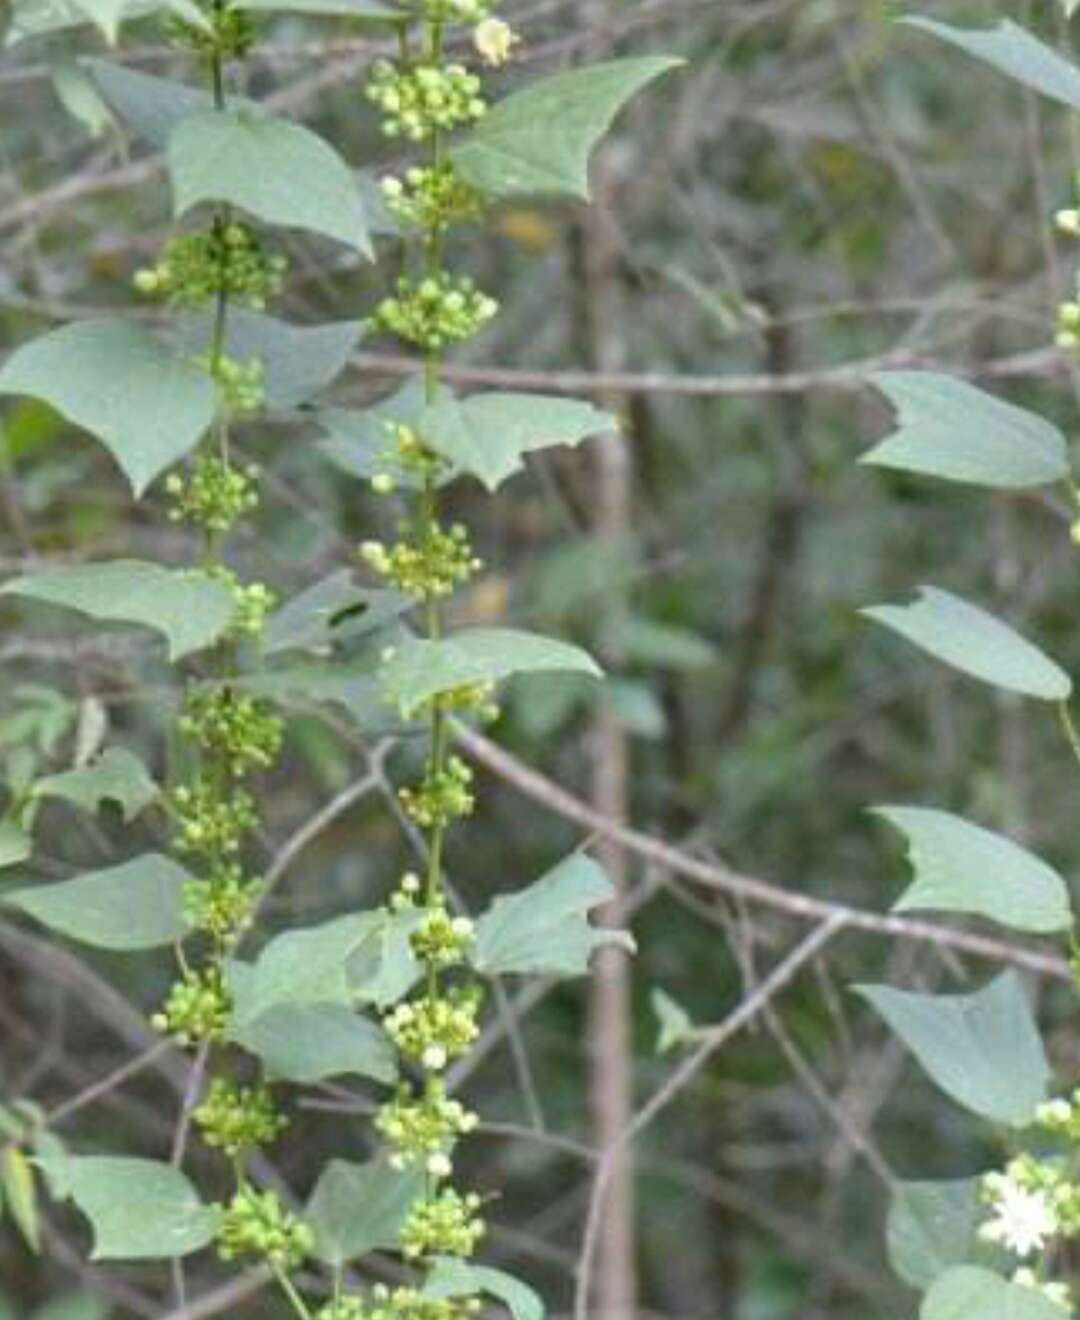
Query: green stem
[1072, 734]
[289, 1289]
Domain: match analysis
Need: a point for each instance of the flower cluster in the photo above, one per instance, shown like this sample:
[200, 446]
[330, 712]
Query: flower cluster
[229, 35]
[441, 940]
[221, 905]
[400, 1304]
[435, 311]
[446, 1224]
[431, 198]
[423, 1129]
[426, 567]
[235, 1119]
[254, 601]
[197, 1008]
[442, 796]
[257, 1224]
[224, 259]
[215, 495]
[239, 731]
[421, 100]
[211, 821]
[435, 1029]
[240, 385]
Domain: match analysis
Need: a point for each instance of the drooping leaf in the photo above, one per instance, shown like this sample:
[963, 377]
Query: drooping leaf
[969, 1292]
[544, 929]
[420, 670]
[969, 639]
[538, 141]
[960, 867]
[932, 1227]
[274, 169]
[488, 435]
[137, 905]
[676, 1024]
[139, 1209]
[307, 1043]
[147, 405]
[950, 429]
[299, 361]
[451, 1277]
[982, 1049]
[151, 107]
[359, 1208]
[116, 776]
[189, 609]
[1012, 50]
[20, 1195]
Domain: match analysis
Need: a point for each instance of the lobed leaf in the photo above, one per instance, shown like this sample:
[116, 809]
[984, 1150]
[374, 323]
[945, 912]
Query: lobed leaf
[982, 1049]
[539, 140]
[137, 905]
[487, 435]
[147, 405]
[960, 867]
[188, 608]
[950, 429]
[969, 639]
[544, 929]
[274, 169]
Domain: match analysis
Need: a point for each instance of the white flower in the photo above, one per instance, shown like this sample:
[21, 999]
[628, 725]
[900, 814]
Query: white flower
[495, 40]
[1023, 1219]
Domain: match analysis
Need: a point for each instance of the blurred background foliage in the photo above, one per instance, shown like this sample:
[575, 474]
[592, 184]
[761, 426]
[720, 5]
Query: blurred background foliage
[818, 193]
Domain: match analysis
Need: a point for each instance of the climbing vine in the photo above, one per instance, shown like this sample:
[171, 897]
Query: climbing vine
[394, 995]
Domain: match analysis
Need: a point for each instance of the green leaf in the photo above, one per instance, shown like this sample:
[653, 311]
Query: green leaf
[137, 905]
[35, 17]
[151, 107]
[487, 435]
[1070, 7]
[20, 1194]
[960, 867]
[316, 618]
[361, 443]
[307, 1043]
[15, 844]
[365, 10]
[969, 639]
[145, 404]
[139, 1209]
[80, 96]
[359, 1208]
[274, 169]
[384, 969]
[646, 641]
[971, 1293]
[950, 429]
[306, 966]
[116, 776]
[931, 1227]
[299, 361]
[189, 609]
[676, 1024]
[420, 670]
[1013, 51]
[451, 1277]
[349, 684]
[73, 1306]
[982, 1049]
[539, 140]
[544, 928]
